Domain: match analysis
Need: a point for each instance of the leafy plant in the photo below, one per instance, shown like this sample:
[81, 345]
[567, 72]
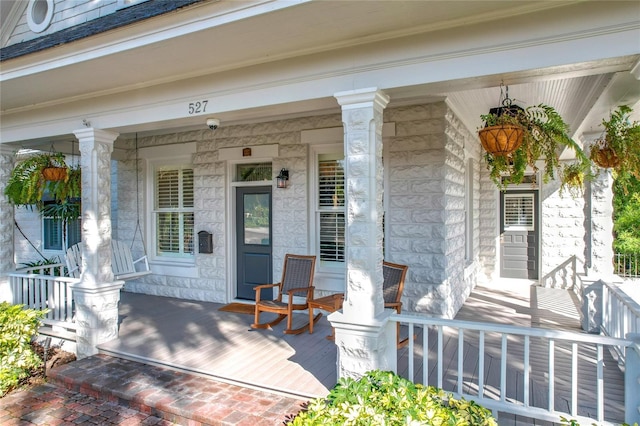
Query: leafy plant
[626, 216]
[26, 185]
[545, 136]
[619, 147]
[384, 398]
[17, 359]
[43, 263]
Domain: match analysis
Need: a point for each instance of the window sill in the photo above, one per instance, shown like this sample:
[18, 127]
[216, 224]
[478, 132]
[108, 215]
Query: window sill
[174, 268]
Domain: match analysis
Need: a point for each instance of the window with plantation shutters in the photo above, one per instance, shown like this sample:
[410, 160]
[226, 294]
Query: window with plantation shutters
[518, 211]
[331, 208]
[52, 235]
[173, 211]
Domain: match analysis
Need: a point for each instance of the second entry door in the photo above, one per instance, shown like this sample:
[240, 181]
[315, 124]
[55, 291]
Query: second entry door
[519, 234]
[253, 240]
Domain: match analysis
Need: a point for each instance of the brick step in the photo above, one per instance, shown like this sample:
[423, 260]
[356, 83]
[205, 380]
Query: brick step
[174, 396]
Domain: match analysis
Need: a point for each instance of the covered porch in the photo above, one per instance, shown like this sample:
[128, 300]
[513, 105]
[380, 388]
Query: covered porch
[198, 338]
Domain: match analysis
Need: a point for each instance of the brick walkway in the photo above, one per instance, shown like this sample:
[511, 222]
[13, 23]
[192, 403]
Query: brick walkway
[104, 390]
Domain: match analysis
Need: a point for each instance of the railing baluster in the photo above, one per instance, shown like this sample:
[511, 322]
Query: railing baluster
[460, 358]
[410, 359]
[600, 384]
[481, 365]
[503, 369]
[425, 351]
[526, 371]
[574, 379]
[551, 373]
[569, 342]
[440, 345]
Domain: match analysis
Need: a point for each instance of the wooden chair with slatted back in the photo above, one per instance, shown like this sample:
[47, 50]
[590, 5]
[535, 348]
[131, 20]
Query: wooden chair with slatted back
[297, 279]
[392, 287]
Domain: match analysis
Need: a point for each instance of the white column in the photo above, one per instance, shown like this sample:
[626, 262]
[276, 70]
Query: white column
[97, 294]
[602, 225]
[7, 160]
[362, 327]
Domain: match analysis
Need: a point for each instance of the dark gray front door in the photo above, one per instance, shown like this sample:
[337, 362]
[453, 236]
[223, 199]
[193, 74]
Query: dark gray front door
[253, 240]
[519, 234]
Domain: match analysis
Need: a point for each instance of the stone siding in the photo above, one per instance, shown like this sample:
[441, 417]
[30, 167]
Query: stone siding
[290, 206]
[562, 236]
[425, 209]
[488, 217]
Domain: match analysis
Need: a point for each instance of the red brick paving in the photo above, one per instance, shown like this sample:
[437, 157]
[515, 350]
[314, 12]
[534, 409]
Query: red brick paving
[101, 390]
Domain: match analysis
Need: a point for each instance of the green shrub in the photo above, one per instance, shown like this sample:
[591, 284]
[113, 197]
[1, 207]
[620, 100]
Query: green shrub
[17, 358]
[384, 398]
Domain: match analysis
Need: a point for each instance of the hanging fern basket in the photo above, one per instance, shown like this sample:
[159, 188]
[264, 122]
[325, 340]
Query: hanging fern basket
[54, 174]
[605, 157]
[501, 140]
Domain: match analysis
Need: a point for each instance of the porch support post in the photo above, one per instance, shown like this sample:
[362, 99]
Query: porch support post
[97, 294]
[7, 160]
[362, 326]
[602, 225]
[632, 379]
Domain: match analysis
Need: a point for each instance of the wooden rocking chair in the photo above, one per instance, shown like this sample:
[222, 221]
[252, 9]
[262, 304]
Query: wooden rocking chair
[297, 279]
[394, 275]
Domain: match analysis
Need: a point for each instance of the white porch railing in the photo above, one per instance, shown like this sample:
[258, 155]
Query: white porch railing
[626, 264]
[41, 287]
[530, 372]
[620, 315]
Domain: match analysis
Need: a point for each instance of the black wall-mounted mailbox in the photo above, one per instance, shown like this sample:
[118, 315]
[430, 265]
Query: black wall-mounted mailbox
[205, 242]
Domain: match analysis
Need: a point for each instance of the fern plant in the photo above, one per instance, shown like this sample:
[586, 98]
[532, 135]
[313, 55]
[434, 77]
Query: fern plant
[619, 146]
[545, 137]
[27, 187]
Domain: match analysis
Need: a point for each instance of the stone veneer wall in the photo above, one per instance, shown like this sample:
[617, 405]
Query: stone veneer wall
[425, 206]
[562, 236]
[488, 214]
[290, 206]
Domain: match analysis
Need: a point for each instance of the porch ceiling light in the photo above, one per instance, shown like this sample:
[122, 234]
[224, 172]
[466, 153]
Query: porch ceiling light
[282, 178]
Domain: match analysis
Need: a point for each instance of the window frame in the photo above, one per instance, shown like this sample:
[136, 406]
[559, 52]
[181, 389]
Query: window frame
[180, 163]
[326, 268]
[44, 220]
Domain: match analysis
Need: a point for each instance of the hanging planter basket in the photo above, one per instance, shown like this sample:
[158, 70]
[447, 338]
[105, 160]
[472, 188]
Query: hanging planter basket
[605, 157]
[54, 174]
[501, 140]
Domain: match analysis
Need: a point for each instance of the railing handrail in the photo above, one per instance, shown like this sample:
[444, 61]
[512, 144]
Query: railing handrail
[44, 276]
[513, 329]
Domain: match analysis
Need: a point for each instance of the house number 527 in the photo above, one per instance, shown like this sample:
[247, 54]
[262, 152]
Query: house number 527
[198, 107]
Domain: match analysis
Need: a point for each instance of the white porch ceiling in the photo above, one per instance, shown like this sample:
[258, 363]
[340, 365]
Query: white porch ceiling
[217, 37]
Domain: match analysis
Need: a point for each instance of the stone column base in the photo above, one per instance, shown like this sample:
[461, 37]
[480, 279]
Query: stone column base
[363, 347]
[96, 316]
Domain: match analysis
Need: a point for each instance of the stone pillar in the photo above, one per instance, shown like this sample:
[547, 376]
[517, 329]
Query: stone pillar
[602, 225]
[7, 160]
[97, 294]
[362, 328]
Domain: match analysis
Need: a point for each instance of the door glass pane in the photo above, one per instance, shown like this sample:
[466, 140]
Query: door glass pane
[256, 219]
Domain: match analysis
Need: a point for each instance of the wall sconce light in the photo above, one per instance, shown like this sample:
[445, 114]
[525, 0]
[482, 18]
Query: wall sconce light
[282, 178]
